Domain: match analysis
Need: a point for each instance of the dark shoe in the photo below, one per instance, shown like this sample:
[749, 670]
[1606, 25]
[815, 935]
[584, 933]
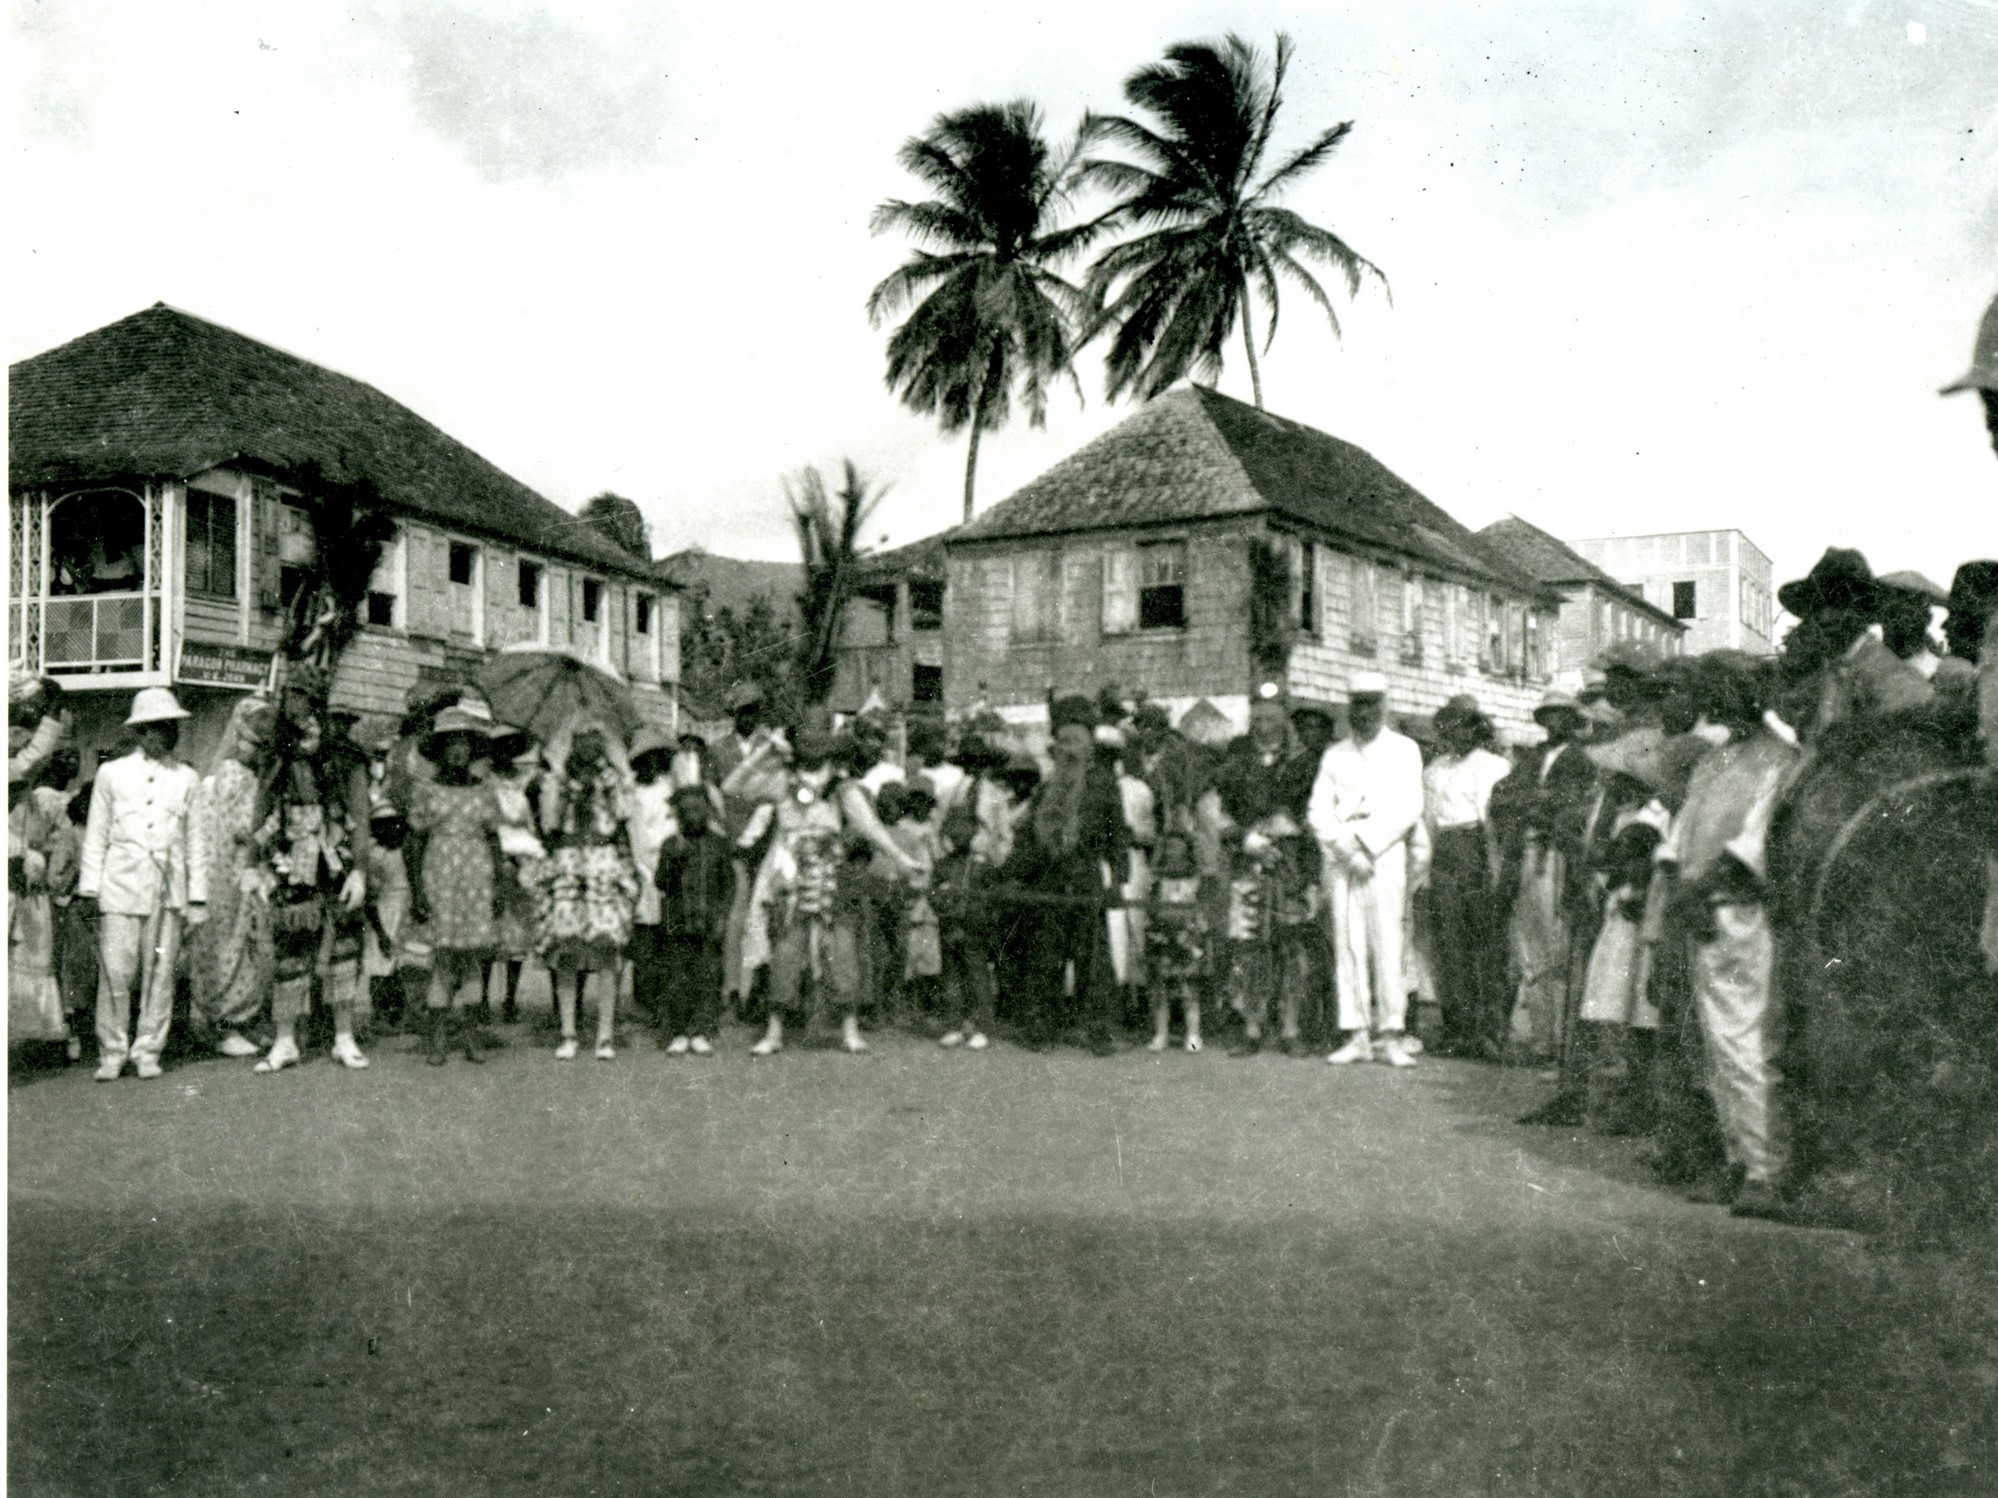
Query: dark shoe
[1564, 1112]
[1762, 1199]
[1252, 1045]
[1102, 1045]
[510, 1013]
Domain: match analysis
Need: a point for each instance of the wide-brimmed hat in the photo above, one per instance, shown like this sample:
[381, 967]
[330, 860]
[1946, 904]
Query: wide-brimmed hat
[1304, 708]
[22, 686]
[1840, 580]
[1558, 702]
[976, 754]
[1910, 581]
[1983, 371]
[1367, 684]
[743, 695]
[1461, 711]
[459, 718]
[651, 741]
[1074, 710]
[155, 705]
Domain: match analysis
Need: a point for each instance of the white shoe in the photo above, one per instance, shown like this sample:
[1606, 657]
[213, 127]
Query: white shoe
[769, 1045]
[955, 1038]
[978, 1042]
[678, 1047]
[1193, 1045]
[147, 1068]
[1395, 1052]
[566, 1051]
[348, 1053]
[1412, 1044]
[1359, 1048]
[1156, 1043]
[700, 1047]
[282, 1054]
[606, 1051]
[109, 1067]
[73, 1048]
[233, 1044]
[850, 1038]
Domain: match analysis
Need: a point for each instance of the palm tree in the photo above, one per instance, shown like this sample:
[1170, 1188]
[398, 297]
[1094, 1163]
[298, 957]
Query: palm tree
[993, 313]
[1208, 214]
[619, 521]
[828, 527]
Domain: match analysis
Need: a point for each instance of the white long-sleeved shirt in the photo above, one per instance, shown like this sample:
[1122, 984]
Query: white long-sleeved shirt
[1457, 789]
[1367, 794]
[137, 856]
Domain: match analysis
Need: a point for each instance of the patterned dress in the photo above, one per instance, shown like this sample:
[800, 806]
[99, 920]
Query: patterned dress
[1177, 940]
[459, 879]
[585, 891]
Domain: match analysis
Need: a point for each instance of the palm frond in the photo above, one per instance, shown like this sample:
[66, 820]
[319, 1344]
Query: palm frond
[1307, 159]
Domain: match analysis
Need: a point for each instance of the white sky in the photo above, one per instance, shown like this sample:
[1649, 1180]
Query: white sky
[1655, 266]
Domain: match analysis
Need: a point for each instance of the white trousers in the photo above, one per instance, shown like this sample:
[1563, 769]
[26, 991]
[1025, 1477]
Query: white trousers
[1368, 963]
[1732, 987]
[141, 949]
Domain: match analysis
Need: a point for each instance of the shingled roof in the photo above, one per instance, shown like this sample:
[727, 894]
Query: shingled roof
[165, 393]
[1550, 560]
[1195, 454]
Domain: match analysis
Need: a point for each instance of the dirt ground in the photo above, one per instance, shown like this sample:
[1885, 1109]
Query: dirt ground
[935, 1273]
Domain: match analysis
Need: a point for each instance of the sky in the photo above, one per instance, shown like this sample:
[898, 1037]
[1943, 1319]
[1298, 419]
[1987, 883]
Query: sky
[1653, 266]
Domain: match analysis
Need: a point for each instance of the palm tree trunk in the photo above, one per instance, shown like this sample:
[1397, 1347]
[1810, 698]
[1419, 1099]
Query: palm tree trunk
[1249, 344]
[971, 460]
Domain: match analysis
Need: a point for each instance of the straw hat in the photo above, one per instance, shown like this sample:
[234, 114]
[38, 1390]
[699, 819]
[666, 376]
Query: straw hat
[1367, 684]
[155, 705]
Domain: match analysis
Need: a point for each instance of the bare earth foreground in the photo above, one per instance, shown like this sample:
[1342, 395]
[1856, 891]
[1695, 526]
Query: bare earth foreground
[930, 1273]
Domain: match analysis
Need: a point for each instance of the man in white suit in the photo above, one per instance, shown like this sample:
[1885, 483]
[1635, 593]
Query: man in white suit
[1365, 803]
[137, 867]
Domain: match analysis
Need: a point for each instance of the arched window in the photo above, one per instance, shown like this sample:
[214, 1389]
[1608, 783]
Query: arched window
[97, 543]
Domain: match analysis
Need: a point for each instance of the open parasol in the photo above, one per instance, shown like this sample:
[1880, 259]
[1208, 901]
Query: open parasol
[550, 691]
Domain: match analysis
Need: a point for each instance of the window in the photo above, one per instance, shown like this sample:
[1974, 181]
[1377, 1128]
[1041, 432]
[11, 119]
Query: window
[926, 684]
[1411, 620]
[461, 563]
[1685, 601]
[1491, 652]
[211, 544]
[381, 609]
[1120, 591]
[1304, 585]
[926, 596]
[593, 592]
[641, 614]
[1453, 622]
[1536, 665]
[530, 584]
[1162, 585]
[1366, 607]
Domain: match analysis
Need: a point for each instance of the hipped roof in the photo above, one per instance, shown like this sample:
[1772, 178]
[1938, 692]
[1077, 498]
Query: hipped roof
[165, 393]
[1549, 559]
[1195, 454]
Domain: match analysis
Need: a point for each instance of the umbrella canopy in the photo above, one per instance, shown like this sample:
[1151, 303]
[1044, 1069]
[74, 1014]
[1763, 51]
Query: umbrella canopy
[550, 691]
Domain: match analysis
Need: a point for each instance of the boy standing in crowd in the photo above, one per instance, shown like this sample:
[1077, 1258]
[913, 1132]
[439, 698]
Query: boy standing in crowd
[136, 866]
[695, 880]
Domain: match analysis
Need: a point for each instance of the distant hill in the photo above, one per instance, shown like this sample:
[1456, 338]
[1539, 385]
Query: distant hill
[732, 583]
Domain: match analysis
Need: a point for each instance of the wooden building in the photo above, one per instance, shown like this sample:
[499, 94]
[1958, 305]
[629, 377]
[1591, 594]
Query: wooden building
[1127, 565]
[1598, 613]
[161, 473]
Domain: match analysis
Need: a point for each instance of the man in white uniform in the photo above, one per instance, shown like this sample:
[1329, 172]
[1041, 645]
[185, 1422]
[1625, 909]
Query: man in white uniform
[136, 866]
[1366, 801]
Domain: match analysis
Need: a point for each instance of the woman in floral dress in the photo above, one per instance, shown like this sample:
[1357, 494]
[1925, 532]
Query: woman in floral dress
[585, 890]
[453, 859]
[229, 955]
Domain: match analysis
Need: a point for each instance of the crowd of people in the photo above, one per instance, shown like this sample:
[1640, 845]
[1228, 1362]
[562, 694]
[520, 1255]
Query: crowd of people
[1593, 905]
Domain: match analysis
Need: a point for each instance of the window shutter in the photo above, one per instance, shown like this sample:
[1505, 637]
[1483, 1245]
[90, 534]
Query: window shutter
[1026, 597]
[1120, 591]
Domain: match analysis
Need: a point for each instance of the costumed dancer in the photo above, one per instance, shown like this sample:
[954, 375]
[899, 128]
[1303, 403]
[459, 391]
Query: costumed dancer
[313, 842]
[383, 952]
[229, 956]
[42, 852]
[37, 724]
[744, 765]
[453, 860]
[1366, 802]
[812, 903]
[138, 866]
[585, 889]
[1177, 941]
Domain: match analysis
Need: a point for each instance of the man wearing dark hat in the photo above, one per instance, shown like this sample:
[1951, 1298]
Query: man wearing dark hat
[1839, 606]
[1982, 375]
[1457, 787]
